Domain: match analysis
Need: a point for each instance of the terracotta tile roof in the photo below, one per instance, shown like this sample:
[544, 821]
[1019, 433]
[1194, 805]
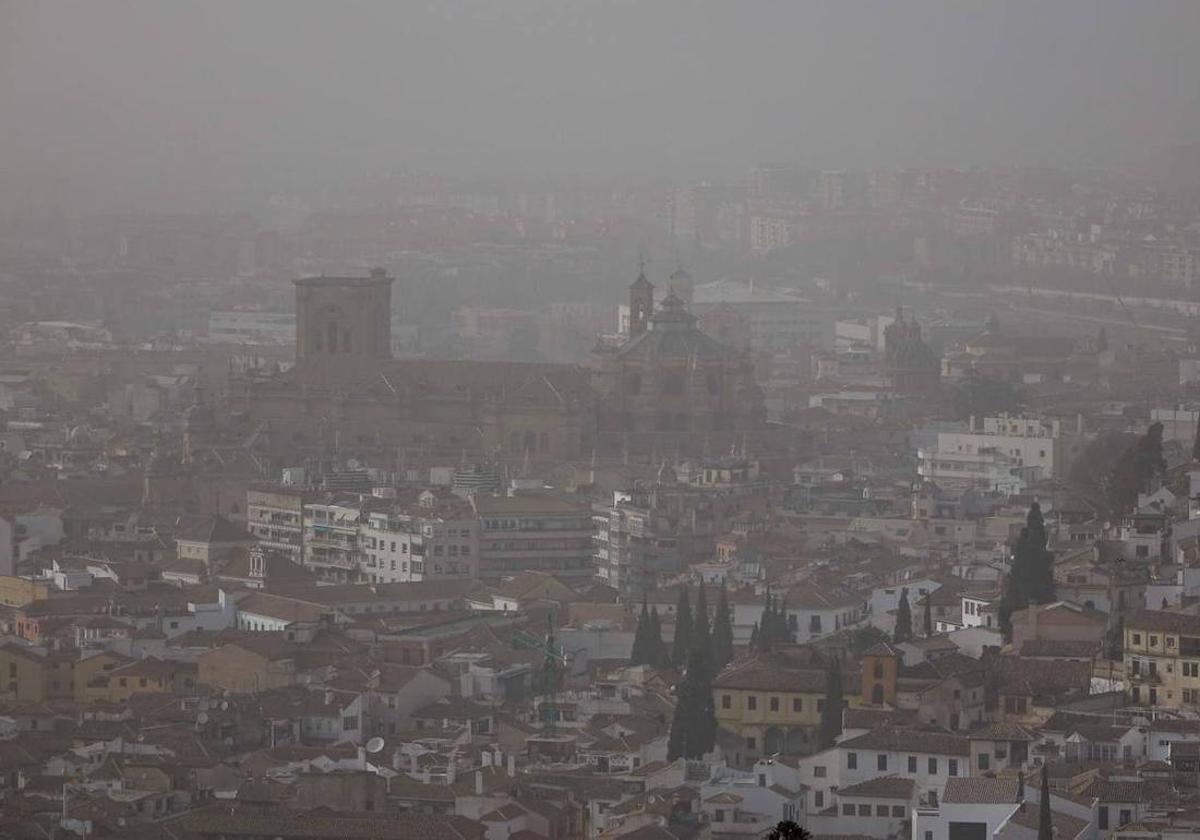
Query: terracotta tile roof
[882, 787]
[896, 739]
[767, 673]
[980, 791]
[1164, 622]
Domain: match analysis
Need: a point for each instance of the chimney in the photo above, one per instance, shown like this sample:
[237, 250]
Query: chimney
[479, 783]
[512, 767]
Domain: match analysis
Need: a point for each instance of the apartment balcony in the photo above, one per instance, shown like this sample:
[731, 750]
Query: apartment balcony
[1144, 677]
[336, 560]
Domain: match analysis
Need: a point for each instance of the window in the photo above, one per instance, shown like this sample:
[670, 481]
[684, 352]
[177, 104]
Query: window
[774, 704]
[1137, 638]
[1103, 817]
[751, 742]
[881, 810]
[1170, 641]
[847, 810]
[864, 810]
[898, 811]
[1126, 817]
[852, 760]
[797, 704]
[928, 835]
[762, 779]
[881, 762]
[933, 767]
[1154, 641]
[912, 764]
[819, 771]
[984, 760]
[953, 768]
[719, 816]
[819, 798]
[349, 722]
[751, 702]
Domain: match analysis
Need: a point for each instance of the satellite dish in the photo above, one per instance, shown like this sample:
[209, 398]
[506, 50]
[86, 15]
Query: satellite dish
[374, 745]
[224, 705]
[202, 718]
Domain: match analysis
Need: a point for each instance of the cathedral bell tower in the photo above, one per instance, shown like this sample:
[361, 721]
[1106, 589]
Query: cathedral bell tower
[641, 304]
[343, 326]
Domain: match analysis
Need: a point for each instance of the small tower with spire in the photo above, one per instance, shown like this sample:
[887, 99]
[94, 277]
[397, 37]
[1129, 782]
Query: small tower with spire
[641, 303]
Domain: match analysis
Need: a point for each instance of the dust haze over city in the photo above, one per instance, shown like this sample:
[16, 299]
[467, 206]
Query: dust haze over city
[600, 419]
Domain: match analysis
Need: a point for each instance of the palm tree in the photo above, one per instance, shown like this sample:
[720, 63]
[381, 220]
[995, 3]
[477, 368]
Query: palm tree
[788, 830]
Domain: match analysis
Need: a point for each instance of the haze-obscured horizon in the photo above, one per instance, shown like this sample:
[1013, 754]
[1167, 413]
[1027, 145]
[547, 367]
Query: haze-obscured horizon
[151, 105]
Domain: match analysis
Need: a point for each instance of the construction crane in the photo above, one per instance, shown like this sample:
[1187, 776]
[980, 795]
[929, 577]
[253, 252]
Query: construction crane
[554, 663]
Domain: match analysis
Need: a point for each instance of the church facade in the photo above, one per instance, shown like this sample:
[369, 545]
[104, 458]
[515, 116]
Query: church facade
[669, 388]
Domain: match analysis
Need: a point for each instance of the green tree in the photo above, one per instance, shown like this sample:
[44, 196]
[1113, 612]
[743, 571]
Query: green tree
[640, 653]
[722, 633]
[1196, 441]
[1136, 470]
[755, 633]
[903, 631]
[694, 724]
[766, 625]
[985, 396]
[658, 654]
[864, 638]
[788, 830]
[831, 710]
[683, 630]
[701, 632]
[1045, 823]
[1031, 579]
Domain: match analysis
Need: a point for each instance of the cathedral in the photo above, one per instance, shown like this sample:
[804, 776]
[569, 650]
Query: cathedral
[668, 389]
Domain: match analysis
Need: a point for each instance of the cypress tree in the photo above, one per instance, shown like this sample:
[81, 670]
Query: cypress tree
[639, 655]
[928, 615]
[785, 630]
[722, 633]
[1196, 441]
[1031, 579]
[683, 630]
[903, 631]
[1045, 823]
[694, 723]
[656, 649]
[766, 625]
[831, 710]
[755, 635]
[701, 634]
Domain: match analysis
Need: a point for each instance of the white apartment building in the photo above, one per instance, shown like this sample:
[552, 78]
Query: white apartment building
[1004, 450]
[436, 539]
[331, 540]
[275, 518]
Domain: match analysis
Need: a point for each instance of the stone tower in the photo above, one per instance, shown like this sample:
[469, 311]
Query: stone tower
[343, 326]
[641, 304]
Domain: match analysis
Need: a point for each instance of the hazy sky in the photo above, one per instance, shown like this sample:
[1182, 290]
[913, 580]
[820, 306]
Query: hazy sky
[163, 103]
